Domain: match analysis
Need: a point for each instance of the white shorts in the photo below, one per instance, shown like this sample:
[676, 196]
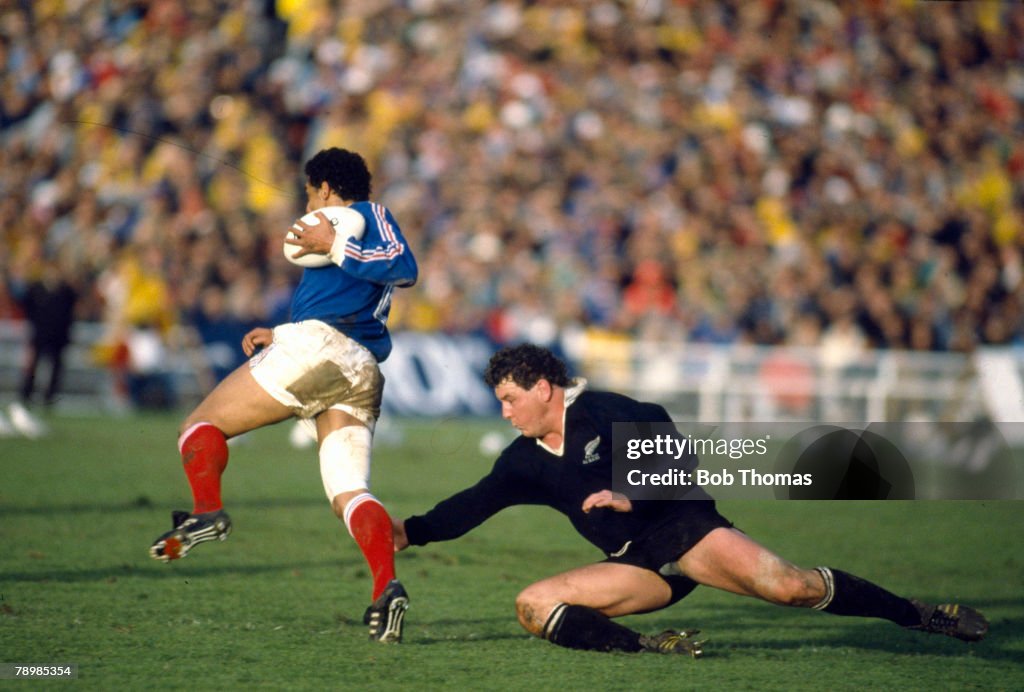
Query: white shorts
[311, 367]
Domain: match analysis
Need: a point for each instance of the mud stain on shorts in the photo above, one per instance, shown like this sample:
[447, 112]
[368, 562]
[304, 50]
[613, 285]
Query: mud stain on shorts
[327, 384]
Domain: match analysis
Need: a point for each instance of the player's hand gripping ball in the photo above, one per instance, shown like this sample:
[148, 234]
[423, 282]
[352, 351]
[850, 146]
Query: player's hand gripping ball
[347, 222]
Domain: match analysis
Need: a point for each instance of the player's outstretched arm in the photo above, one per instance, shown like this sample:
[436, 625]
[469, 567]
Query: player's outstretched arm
[617, 502]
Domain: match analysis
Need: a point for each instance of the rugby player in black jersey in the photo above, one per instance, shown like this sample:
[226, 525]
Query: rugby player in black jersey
[657, 551]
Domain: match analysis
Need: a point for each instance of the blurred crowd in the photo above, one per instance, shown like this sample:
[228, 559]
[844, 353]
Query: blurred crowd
[767, 172]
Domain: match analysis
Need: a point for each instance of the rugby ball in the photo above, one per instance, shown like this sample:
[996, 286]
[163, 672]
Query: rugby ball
[347, 222]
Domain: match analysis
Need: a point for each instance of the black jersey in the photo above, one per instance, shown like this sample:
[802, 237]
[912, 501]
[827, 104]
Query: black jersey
[528, 473]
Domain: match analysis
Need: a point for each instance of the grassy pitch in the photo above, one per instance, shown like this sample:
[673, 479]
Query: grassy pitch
[279, 604]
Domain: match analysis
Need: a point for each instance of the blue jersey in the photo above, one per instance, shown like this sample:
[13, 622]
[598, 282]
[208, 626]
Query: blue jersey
[355, 298]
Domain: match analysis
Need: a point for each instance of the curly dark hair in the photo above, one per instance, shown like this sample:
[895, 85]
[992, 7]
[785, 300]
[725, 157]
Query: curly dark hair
[345, 172]
[525, 364]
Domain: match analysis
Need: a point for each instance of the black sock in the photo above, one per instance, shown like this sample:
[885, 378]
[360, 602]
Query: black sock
[850, 595]
[579, 627]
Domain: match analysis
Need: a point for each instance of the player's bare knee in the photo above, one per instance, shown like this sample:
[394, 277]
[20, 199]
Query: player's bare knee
[812, 588]
[533, 605]
[796, 588]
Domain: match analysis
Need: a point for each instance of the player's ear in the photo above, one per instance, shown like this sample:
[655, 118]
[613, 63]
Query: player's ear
[544, 389]
[324, 191]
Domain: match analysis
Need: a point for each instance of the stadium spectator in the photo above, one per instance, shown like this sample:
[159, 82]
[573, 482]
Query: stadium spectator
[48, 301]
[47, 298]
[140, 322]
[220, 332]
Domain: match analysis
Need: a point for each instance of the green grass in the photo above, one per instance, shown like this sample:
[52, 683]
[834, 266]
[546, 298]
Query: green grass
[279, 605]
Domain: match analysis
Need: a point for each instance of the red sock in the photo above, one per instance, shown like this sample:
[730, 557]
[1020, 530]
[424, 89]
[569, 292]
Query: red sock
[204, 452]
[370, 525]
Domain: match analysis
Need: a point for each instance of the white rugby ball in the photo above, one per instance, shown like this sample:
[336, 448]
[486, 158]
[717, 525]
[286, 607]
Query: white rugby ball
[347, 222]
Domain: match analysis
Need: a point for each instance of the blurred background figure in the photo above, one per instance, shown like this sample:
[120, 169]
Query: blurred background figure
[47, 299]
[219, 331]
[139, 324]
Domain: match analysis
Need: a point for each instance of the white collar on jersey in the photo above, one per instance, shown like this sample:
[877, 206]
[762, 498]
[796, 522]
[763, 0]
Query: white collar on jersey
[575, 388]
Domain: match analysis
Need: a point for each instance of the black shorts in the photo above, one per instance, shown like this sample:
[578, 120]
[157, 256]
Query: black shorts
[664, 543]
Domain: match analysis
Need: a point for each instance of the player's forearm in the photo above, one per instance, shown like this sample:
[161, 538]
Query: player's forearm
[455, 516]
[440, 525]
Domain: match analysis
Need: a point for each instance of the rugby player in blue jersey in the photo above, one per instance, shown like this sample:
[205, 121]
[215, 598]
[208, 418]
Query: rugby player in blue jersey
[322, 367]
[657, 551]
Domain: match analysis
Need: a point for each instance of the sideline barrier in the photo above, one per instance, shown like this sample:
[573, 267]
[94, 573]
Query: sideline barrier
[753, 383]
[431, 374]
[440, 375]
[427, 374]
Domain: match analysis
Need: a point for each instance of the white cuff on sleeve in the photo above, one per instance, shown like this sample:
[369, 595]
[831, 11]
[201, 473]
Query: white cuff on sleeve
[337, 253]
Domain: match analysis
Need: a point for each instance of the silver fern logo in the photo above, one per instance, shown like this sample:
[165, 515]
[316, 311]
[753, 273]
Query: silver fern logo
[590, 454]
